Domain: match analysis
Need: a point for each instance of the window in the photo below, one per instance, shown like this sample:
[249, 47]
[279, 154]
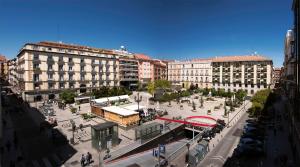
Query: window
[70, 68]
[60, 67]
[50, 76]
[70, 77]
[82, 78]
[36, 77]
[70, 59]
[93, 77]
[35, 66]
[50, 67]
[61, 77]
[82, 68]
[81, 60]
[35, 56]
[71, 85]
[49, 48]
[192, 65]
[61, 85]
[50, 85]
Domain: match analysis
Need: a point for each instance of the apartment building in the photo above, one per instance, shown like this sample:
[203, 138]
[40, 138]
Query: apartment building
[159, 70]
[128, 69]
[197, 72]
[276, 76]
[12, 72]
[145, 68]
[3, 68]
[249, 73]
[46, 68]
[289, 65]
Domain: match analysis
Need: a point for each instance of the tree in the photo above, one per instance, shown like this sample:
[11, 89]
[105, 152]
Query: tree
[162, 84]
[67, 96]
[151, 88]
[240, 94]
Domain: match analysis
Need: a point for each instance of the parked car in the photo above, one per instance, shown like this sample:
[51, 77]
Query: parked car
[246, 150]
[221, 122]
[253, 136]
[250, 142]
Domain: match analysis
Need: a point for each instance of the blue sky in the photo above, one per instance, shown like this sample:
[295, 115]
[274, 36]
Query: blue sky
[165, 29]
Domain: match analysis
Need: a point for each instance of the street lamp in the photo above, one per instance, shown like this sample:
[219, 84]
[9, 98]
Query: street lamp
[138, 99]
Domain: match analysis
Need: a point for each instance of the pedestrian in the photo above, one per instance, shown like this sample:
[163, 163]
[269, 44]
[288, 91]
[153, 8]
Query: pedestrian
[88, 157]
[82, 161]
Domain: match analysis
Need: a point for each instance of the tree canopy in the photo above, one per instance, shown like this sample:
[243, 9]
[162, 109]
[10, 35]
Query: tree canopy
[67, 96]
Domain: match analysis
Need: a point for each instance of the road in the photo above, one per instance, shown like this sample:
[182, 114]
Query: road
[217, 156]
[145, 159]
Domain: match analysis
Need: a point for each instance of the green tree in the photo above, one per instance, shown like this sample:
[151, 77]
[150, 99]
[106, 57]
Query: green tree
[240, 94]
[151, 88]
[67, 96]
[164, 84]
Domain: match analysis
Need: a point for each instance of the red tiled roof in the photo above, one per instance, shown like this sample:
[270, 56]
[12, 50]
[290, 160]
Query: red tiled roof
[2, 58]
[142, 57]
[240, 58]
[71, 46]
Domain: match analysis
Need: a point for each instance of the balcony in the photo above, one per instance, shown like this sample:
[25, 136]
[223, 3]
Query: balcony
[50, 71]
[61, 80]
[71, 80]
[50, 80]
[36, 61]
[83, 80]
[71, 63]
[71, 72]
[20, 70]
[37, 70]
[37, 81]
[82, 63]
[82, 72]
[60, 62]
[94, 72]
[61, 71]
[50, 61]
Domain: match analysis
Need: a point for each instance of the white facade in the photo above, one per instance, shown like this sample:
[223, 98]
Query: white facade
[187, 73]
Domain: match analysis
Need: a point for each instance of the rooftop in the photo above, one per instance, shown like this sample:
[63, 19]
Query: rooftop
[142, 57]
[240, 58]
[119, 111]
[71, 46]
[104, 125]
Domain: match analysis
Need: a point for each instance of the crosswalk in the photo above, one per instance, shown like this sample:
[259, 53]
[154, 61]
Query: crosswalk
[52, 160]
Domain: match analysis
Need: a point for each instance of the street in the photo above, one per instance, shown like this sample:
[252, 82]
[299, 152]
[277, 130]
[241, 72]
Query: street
[218, 155]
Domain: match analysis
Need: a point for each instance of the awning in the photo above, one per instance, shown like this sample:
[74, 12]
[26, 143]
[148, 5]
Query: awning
[120, 111]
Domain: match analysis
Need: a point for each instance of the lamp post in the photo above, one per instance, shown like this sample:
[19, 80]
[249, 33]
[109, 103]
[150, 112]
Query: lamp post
[138, 99]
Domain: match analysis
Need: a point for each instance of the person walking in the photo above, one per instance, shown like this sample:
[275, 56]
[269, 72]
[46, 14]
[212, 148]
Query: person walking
[88, 157]
[82, 161]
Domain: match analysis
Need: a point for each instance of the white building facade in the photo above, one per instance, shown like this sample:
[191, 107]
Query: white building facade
[249, 73]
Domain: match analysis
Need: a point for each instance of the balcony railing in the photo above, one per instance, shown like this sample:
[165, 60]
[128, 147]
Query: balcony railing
[82, 63]
[37, 70]
[50, 71]
[50, 61]
[71, 63]
[71, 72]
[83, 72]
[36, 61]
[60, 62]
